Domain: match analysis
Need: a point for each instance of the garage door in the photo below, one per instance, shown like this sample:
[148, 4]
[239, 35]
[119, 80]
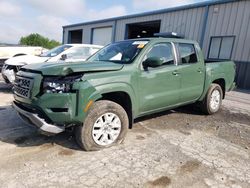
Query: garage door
[102, 36]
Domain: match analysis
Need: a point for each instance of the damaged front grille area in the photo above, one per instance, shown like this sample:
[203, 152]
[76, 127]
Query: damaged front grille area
[22, 86]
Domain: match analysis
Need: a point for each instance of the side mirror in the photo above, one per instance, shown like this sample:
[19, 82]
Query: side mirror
[153, 62]
[63, 57]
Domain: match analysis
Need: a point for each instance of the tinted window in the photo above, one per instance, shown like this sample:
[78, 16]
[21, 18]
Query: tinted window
[187, 53]
[163, 51]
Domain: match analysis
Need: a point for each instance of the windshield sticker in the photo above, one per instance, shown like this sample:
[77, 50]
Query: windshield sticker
[140, 46]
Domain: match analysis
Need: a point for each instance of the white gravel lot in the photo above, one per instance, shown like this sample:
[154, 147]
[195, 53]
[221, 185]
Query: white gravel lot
[178, 148]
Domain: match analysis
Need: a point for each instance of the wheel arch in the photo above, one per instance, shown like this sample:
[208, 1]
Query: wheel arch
[219, 79]
[222, 83]
[122, 98]
[121, 93]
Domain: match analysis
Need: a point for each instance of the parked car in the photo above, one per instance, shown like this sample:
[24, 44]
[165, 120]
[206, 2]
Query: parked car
[65, 53]
[7, 51]
[123, 81]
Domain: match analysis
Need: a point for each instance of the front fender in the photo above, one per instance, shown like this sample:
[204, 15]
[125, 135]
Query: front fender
[87, 94]
[120, 87]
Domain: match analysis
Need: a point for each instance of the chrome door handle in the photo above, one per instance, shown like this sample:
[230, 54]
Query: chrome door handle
[199, 71]
[176, 73]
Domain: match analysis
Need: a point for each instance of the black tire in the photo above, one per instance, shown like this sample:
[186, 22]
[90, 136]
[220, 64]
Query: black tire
[83, 133]
[206, 103]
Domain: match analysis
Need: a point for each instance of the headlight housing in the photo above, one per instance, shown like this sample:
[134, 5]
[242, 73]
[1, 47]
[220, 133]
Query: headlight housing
[59, 84]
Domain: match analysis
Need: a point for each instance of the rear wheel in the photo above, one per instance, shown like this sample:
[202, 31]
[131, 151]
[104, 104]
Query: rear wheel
[105, 125]
[213, 99]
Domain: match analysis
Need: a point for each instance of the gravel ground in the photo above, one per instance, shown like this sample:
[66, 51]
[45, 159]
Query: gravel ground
[177, 148]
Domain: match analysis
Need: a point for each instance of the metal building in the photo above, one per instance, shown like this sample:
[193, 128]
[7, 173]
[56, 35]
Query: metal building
[222, 28]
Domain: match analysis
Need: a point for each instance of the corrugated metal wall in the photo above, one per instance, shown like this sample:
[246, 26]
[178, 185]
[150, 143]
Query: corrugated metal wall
[223, 20]
[121, 24]
[226, 19]
[66, 33]
[243, 74]
[187, 22]
[87, 31]
[230, 19]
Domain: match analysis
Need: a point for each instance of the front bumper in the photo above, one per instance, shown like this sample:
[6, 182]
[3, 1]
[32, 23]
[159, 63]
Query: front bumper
[62, 110]
[34, 119]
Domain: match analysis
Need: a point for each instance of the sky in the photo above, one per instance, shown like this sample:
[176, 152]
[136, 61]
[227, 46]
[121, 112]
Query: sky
[21, 17]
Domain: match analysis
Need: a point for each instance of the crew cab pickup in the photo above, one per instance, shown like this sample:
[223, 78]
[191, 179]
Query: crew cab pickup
[123, 81]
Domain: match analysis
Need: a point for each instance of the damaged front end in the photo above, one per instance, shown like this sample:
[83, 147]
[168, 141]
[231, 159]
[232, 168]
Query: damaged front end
[51, 103]
[56, 96]
[60, 84]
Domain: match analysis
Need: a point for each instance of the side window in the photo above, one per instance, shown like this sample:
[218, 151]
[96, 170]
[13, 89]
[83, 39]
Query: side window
[163, 51]
[187, 53]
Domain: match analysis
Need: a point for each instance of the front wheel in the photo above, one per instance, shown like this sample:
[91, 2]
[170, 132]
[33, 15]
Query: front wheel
[105, 125]
[213, 99]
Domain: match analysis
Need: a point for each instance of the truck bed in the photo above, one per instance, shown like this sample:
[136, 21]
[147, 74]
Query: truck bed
[221, 69]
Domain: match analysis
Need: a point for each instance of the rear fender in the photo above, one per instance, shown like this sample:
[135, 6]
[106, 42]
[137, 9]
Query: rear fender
[210, 78]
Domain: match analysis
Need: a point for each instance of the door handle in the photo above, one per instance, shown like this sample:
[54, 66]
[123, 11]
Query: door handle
[199, 70]
[176, 73]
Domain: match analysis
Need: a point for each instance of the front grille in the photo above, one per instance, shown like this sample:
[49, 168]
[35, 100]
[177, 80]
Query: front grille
[22, 86]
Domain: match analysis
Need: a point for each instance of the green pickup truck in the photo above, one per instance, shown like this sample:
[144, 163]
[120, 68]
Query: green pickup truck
[125, 80]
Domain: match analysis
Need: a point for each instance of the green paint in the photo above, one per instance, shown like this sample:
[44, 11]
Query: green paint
[152, 90]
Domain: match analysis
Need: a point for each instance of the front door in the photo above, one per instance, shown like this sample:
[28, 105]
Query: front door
[159, 86]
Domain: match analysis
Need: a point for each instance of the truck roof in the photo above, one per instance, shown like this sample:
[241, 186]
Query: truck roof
[163, 39]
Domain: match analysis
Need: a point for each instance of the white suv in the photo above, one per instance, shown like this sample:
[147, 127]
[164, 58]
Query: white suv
[65, 53]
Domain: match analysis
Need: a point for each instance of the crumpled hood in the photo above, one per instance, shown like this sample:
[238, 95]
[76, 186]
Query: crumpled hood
[25, 59]
[63, 69]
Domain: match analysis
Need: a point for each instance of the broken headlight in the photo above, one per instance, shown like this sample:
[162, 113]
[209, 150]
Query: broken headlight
[59, 84]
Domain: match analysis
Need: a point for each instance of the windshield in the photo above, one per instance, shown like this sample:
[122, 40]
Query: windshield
[55, 51]
[121, 52]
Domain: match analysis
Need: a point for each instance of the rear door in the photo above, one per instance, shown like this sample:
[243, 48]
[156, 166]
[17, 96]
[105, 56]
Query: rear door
[191, 71]
[159, 87]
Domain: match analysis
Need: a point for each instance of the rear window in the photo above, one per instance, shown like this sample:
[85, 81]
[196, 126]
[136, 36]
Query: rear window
[187, 53]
